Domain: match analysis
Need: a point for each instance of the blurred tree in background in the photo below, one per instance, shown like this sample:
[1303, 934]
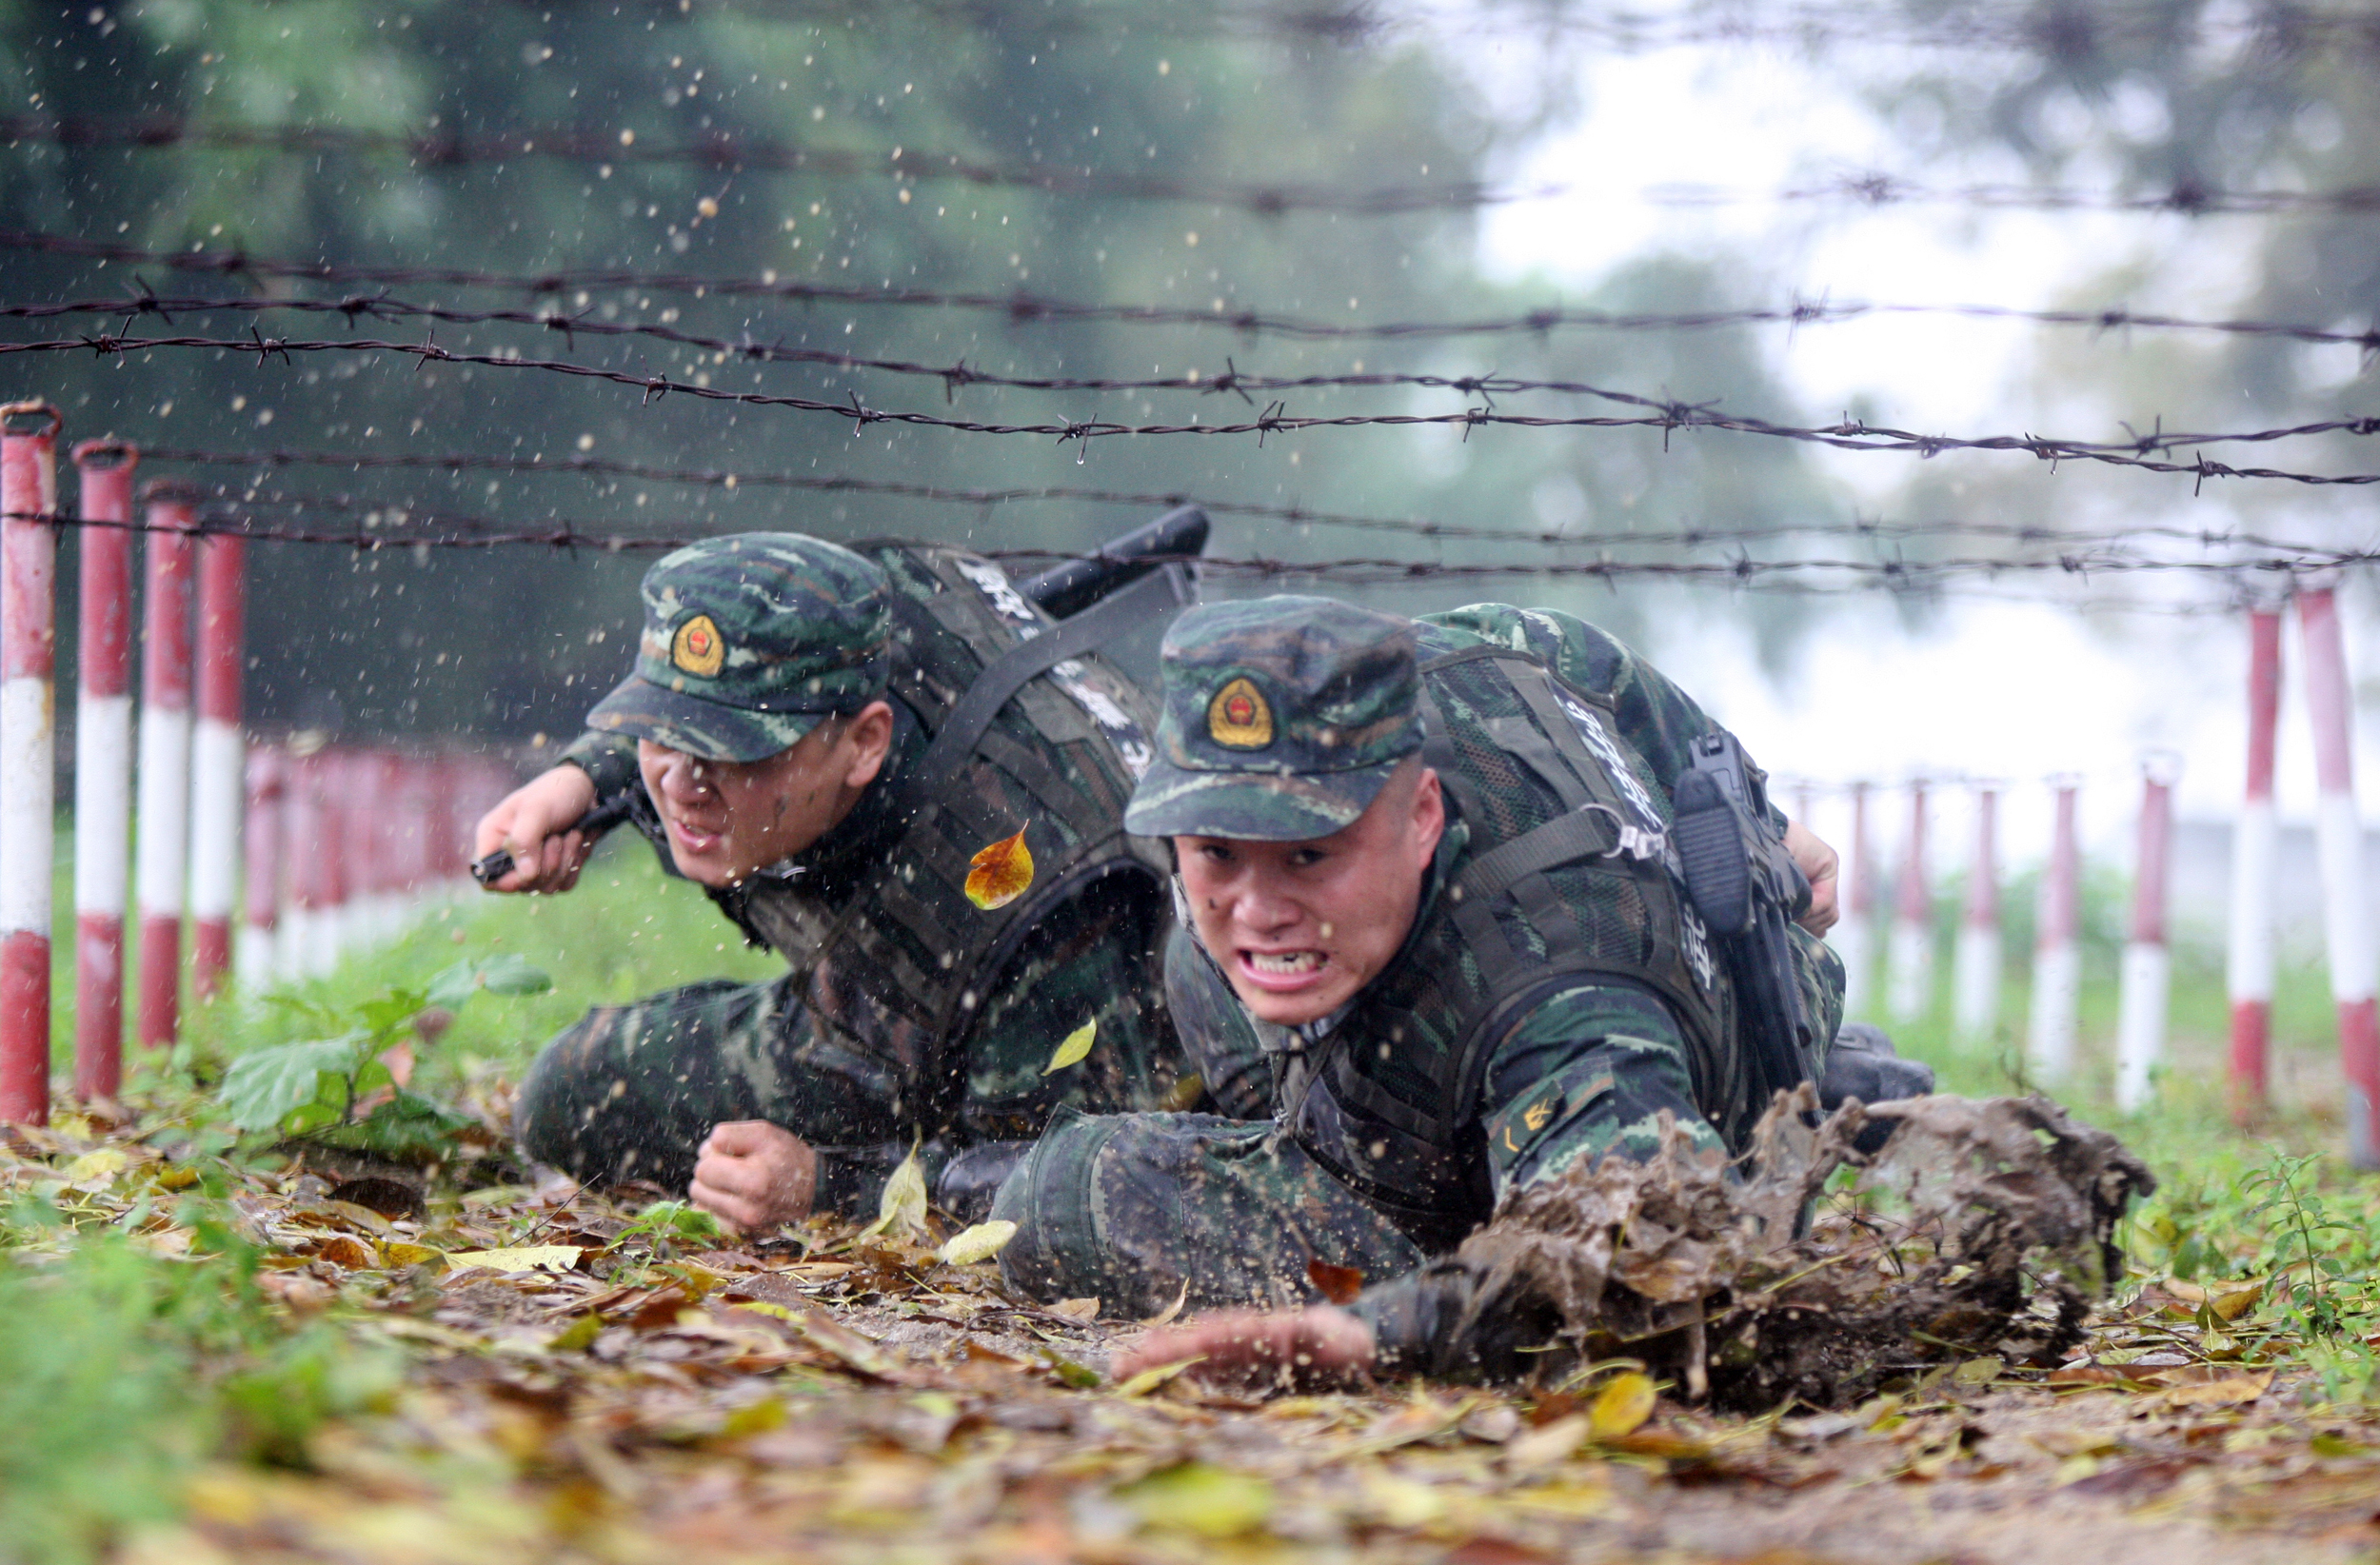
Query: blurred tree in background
[513, 640]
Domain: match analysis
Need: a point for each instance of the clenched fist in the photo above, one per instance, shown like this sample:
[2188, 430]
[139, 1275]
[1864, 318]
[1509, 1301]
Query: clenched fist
[754, 1174]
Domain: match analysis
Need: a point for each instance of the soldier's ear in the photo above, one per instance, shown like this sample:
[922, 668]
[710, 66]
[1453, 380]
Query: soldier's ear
[1428, 814]
[869, 737]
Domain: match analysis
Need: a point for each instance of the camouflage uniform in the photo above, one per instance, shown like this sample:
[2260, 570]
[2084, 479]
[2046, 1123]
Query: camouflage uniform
[907, 1012]
[1547, 1006]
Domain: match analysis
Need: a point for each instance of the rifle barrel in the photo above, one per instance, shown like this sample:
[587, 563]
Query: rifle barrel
[1068, 590]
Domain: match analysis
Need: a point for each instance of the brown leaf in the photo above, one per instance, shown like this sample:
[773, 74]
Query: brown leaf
[1340, 1284]
[999, 874]
[343, 1250]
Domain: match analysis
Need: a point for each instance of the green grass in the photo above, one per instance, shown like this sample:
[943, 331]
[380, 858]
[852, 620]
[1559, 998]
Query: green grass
[624, 931]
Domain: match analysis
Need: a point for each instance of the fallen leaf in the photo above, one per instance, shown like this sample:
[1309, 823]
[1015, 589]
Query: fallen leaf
[902, 1208]
[402, 1252]
[1340, 1284]
[1001, 873]
[105, 1163]
[1165, 1316]
[526, 1257]
[1202, 1498]
[1076, 1309]
[1073, 1050]
[345, 1252]
[2229, 1299]
[1621, 1407]
[979, 1243]
[579, 1335]
[2218, 1385]
[1548, 1443]
[1149, 1379]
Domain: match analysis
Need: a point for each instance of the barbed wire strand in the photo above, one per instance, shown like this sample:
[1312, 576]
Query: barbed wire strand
[953, 376]
[2063, 31]
[472, 533]
[1667, 416]
[1026, 308]
[1701, 536]
[730, 152]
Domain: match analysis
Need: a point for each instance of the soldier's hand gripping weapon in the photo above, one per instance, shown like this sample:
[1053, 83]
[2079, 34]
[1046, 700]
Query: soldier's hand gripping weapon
[1747, 888]
[1063, 591]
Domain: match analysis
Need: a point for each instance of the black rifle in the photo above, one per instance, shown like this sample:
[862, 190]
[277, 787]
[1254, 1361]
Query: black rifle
[1068, 589]
[1062, 591]
[1746, 886]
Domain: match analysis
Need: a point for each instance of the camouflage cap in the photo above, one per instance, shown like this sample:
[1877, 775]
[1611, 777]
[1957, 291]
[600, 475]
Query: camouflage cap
[749, 642]
[1283, 718]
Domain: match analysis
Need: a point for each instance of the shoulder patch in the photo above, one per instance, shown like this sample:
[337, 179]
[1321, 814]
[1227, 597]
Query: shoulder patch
[1238, 717]
[697, 650]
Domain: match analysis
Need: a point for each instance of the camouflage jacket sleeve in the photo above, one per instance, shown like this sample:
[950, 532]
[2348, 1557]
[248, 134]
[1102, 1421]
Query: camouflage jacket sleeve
[608, 760]
[1656, 719]
[1587, 1071]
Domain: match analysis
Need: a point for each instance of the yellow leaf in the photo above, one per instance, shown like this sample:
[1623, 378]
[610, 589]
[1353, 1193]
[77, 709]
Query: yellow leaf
[999, 874]
[1149, 1379]
[981, 1242]
[1200, 1498]
[1621, 1406]
[105, 1164]
[1076, 1047]
[902, 1209]
[529, 1258]
[399, 1252]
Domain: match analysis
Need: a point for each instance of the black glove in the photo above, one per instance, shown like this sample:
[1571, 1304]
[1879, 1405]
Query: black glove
[1862, 1064]
[972, 1178]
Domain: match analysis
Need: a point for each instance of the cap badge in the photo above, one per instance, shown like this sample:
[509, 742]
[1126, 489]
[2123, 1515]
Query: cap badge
[696, 647]
[1238, 718]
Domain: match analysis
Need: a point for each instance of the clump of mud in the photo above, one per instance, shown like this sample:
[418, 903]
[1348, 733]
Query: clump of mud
[1980, 1227]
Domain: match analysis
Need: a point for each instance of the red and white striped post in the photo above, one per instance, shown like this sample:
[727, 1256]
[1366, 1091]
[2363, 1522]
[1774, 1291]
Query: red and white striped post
[219, 755]
[1855, 937]
[1908, 993]
[268, 787]
[307, 851]
[103, 763]
[1976, 984]
[2248, 968]
[334, 852]
[2056, 952]
[2147, 974]
[2339, 842]
[163, 843]
[28, 558]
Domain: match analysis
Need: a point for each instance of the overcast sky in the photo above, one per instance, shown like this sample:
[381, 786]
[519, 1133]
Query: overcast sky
[2017, 691]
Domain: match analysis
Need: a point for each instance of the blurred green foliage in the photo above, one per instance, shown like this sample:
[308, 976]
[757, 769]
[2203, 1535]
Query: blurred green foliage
[518, 640]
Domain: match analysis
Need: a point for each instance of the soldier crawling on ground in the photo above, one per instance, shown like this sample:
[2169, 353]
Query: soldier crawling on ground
[811, 734]
[1429, 866]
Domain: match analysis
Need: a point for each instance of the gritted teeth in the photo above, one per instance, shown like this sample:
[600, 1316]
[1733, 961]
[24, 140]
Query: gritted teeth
[1285, 962]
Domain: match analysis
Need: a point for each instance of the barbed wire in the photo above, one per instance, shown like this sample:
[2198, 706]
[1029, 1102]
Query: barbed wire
[1667, 416]
[1023, 308]
[467, 532]
[2060, 30]
[953, 376]
[730, 152]
[1692, 536]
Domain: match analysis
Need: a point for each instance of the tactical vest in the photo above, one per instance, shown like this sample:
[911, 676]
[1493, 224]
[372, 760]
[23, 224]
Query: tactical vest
[1560, 873]
[890, 957]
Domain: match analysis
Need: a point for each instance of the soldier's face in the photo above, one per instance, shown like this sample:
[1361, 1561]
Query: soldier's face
[727, 819]
[1301, 927]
